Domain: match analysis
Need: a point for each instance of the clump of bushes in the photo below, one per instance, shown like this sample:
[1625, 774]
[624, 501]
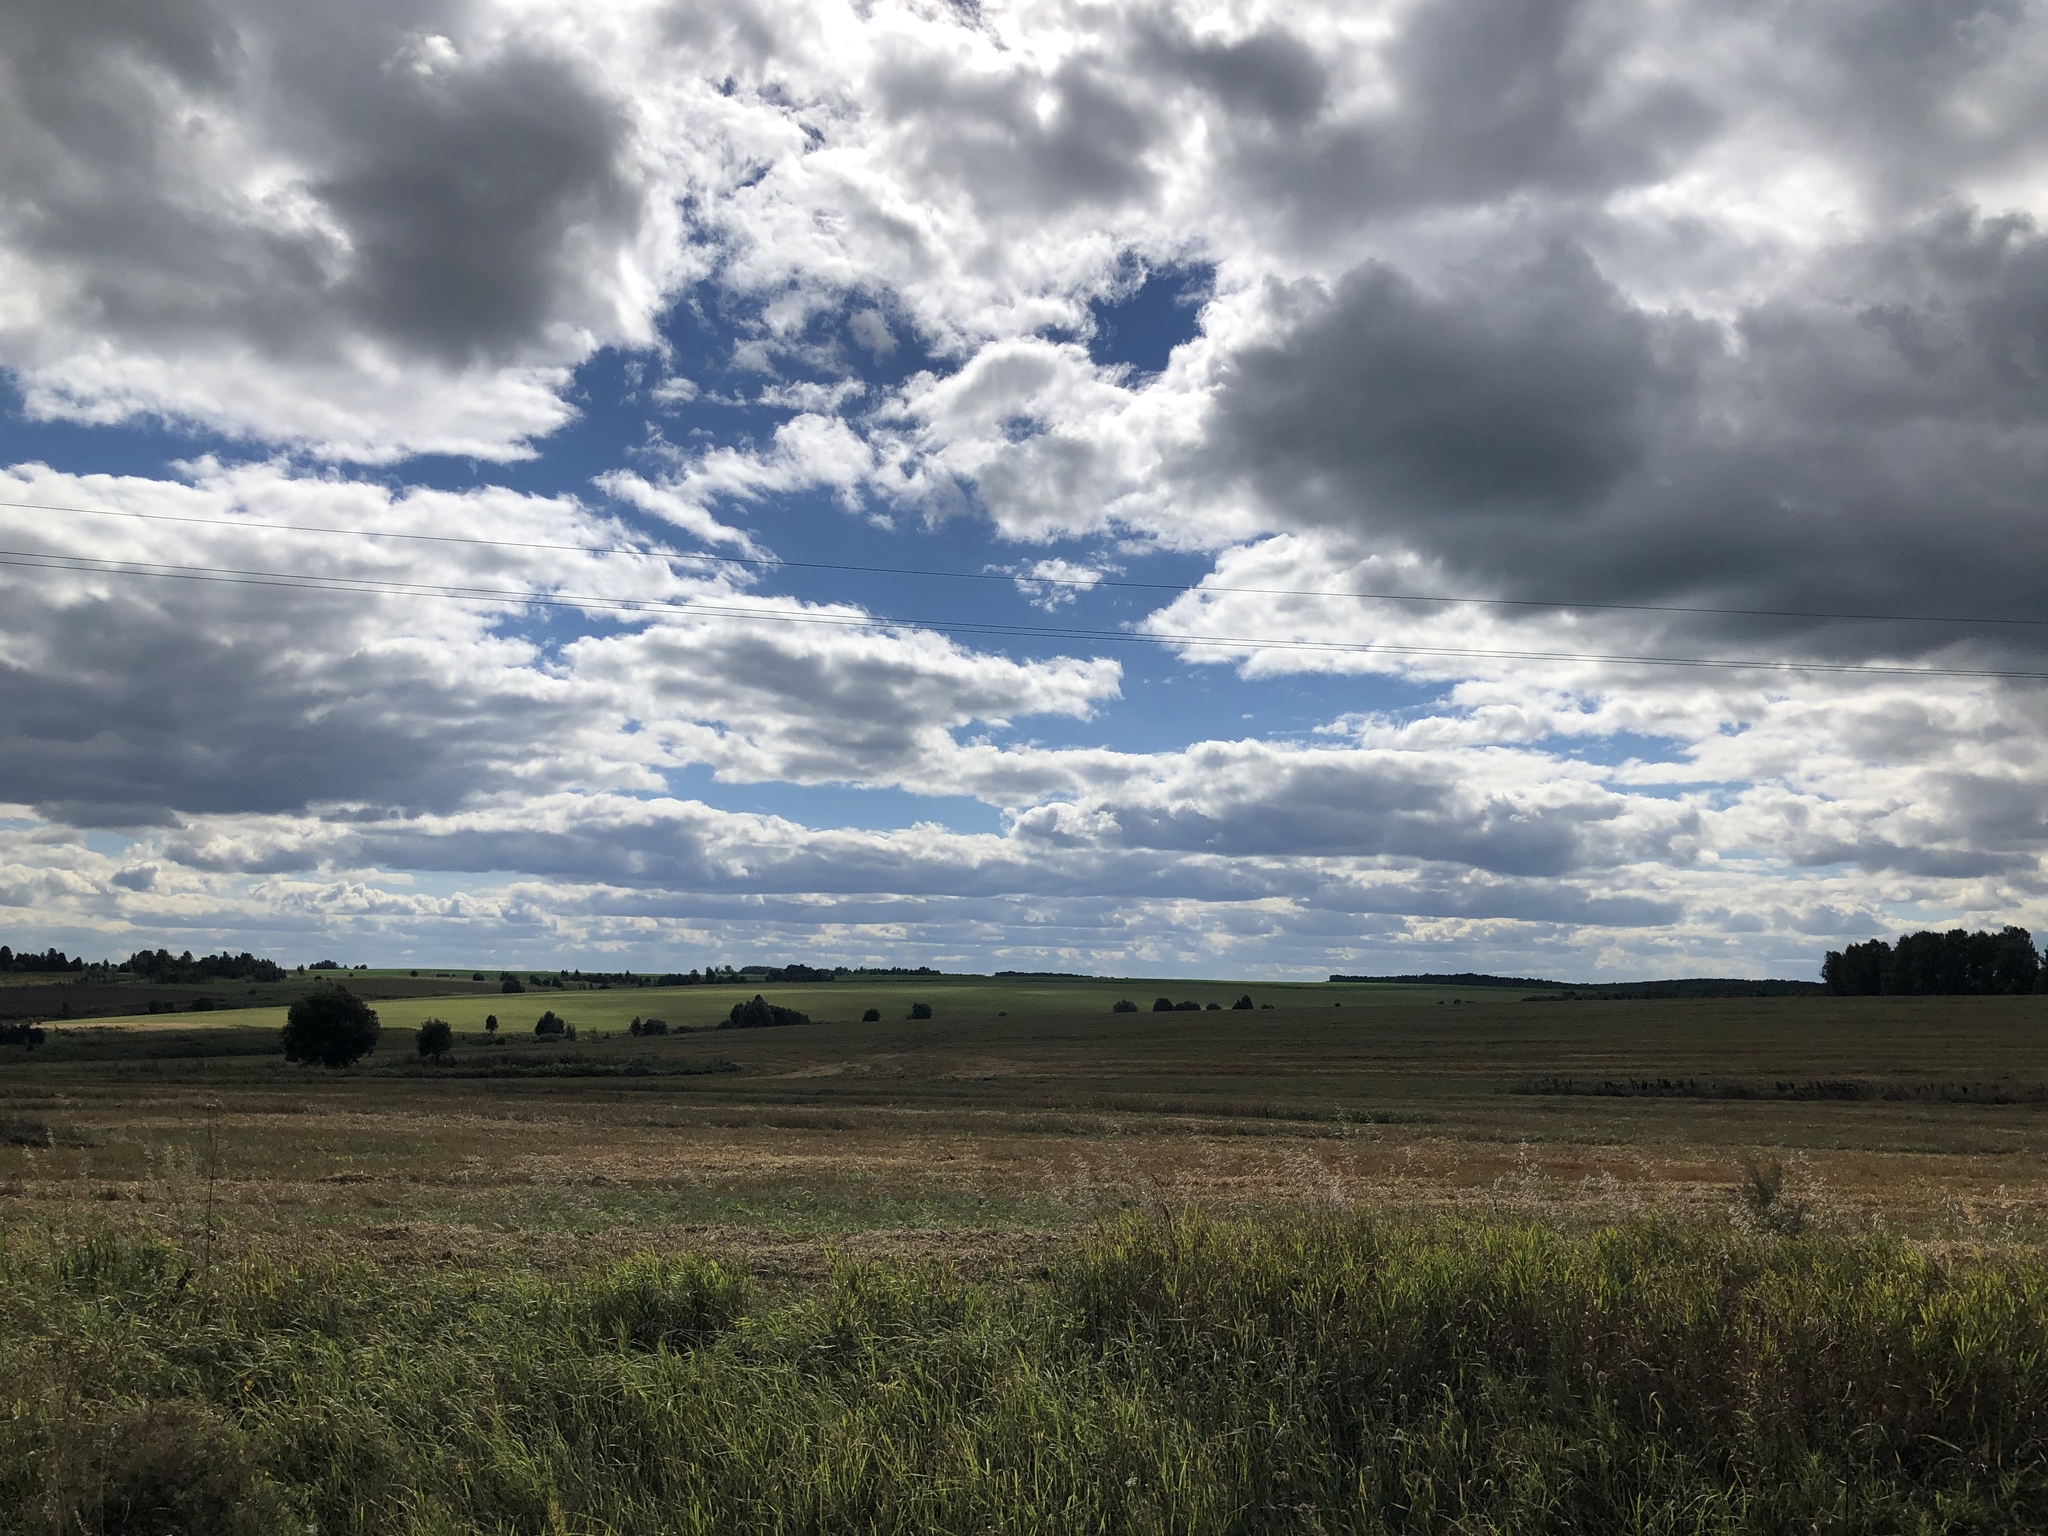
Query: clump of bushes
[641, 1026]
[436, 1038]
[1243, 1002]
[920, 1010]
[759, 1013]
[1123, 1005]
[872, 1016]
[552, 1026]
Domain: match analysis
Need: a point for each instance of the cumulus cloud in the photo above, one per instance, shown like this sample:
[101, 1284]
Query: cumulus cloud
[365, 232]
[263, 670]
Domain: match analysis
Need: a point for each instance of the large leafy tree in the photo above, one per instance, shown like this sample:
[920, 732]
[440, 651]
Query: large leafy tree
[332, 1026]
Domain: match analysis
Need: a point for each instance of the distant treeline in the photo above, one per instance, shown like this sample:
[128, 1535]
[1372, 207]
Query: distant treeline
[1611, 991]
[158, 965]
[1957, 963]
[54, 959]
[710, 976]
[1456, 979]
[161, 965]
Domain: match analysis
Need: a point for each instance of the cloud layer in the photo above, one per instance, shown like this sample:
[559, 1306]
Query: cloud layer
[1642, 331]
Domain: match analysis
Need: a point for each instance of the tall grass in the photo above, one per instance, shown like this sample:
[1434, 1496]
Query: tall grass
[1376, 1374]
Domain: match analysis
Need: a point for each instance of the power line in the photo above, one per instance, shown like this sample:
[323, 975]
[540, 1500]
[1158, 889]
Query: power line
[1199, 589]
[369, 586]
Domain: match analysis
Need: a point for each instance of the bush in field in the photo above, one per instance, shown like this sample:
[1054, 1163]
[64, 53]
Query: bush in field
[1123, 1005]
[648, 1027]
[1188, 1007]
[330, 1025]
[872, 1016]
[551, 1025]
[1243, 1002]
[1162, 1005]
[490, 1023]
[1764, 1205]
[761, 1014]
[920, 1010]
[435, 1039]
[511, 984]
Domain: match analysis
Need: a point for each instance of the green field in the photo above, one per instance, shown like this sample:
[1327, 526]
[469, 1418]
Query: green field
[952, 998]
[510, 1291]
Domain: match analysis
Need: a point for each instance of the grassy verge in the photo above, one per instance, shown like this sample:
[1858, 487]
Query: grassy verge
[1180, 1374]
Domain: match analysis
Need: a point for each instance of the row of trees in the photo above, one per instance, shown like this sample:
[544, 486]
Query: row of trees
[1957, 963]
[157, 965]
[1168, 1005]
[160, 965]
[53, 960]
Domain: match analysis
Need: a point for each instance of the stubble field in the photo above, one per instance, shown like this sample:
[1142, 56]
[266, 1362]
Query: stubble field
[1026, 1108]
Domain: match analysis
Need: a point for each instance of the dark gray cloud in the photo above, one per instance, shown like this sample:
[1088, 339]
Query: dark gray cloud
[461, 201]
[475, 207]
[1869, 441]
[1487, 100]
[128, 714]
[1528, 386]
[992, 140]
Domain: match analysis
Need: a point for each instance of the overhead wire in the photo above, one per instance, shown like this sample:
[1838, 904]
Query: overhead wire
[528, 597]
[1090, 583]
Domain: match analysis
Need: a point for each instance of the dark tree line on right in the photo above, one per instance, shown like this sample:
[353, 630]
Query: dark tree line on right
[1927, 964]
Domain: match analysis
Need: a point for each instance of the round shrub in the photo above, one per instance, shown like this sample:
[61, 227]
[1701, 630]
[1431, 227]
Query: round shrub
[332, 1026]
[435, 1039]
[1162, 1005]
[1123, 1005]
[872, 1016]
[920, 1010]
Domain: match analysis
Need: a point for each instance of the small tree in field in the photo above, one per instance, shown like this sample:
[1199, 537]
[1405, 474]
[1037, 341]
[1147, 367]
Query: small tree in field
[1162, 1005]
[550, 1025]
[920, 1010]
[1243, 1002]
[1123, 1005]
[435, 1039]
[490, 1023]
[872, 1016]
[332, 1026]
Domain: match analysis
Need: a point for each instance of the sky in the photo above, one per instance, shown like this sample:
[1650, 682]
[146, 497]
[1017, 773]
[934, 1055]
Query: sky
[1158, 489]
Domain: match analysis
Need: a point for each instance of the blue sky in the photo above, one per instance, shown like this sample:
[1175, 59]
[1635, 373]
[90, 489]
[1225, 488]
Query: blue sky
[1003, 349]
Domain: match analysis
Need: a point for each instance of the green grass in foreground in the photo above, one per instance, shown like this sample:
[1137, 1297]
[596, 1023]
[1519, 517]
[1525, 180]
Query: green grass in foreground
[1357, 1374]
